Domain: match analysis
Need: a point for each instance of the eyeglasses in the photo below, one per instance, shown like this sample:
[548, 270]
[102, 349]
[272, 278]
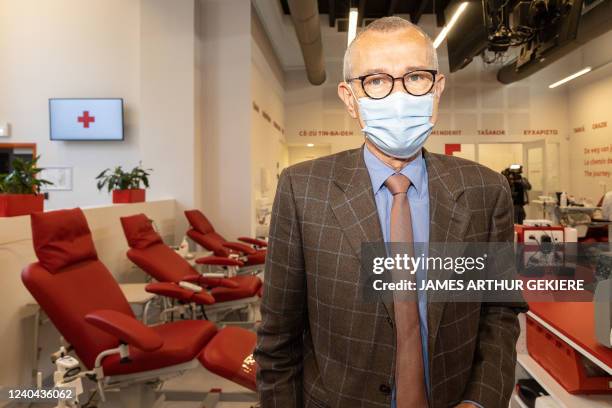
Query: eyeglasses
[380, 85]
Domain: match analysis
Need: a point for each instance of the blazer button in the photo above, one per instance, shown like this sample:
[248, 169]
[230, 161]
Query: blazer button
[385, 389]
[390, 321]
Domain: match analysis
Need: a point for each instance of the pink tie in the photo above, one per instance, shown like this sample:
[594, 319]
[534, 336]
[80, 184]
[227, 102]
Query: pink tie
[409, 373]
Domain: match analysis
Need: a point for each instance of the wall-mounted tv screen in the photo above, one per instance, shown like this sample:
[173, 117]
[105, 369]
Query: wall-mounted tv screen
[86, 119]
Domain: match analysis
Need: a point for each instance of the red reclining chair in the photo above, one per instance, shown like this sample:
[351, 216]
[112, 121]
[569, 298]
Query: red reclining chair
[87, 306]
[148, 252]
[251, 251]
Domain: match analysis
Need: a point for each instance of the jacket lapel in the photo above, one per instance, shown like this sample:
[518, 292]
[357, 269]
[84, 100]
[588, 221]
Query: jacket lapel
[449, 222]
[353, 205]
[352, 202]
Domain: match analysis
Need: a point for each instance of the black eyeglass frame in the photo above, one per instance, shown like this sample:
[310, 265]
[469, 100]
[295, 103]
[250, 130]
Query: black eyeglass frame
[362, 78]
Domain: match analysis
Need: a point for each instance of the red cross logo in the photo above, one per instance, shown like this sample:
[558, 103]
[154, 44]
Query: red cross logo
[86, 119]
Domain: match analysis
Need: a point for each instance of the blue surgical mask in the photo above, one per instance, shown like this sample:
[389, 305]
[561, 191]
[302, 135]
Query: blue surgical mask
[399, 124]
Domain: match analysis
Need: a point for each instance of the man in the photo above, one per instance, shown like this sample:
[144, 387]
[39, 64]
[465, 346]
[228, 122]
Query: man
[319, 344]
[519, 188]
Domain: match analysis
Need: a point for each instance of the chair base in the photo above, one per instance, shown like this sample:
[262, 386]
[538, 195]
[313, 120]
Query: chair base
[222, 314]
[122, 381]
[142, 390]
[133, 396]
[252, 270]
[146, 396]
[213, 397]
[219, 312]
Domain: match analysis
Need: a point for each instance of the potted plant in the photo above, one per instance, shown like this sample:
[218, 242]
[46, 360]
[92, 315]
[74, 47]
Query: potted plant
[125, 185]
[20, 189]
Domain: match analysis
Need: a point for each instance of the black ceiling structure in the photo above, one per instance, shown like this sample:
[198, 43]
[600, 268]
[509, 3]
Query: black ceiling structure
[372, 9]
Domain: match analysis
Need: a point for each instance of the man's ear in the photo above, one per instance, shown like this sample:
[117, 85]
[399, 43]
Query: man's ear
[440, 84]
[346, 96]
[438, 90]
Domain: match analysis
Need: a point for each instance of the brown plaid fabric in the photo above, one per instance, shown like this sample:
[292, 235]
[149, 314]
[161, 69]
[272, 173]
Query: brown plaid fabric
[320, 345]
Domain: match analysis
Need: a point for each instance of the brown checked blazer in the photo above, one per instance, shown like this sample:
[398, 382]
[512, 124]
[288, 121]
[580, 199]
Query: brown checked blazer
[320, 346]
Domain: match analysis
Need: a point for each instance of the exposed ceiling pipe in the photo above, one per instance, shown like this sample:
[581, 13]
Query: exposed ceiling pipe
[593, 24]
[305, 16]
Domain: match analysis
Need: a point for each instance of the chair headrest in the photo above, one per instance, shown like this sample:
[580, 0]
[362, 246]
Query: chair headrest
[62, 238]
[199, 222]
[139, 231]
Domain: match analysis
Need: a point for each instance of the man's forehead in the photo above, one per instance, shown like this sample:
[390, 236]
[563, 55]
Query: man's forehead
[407, 47]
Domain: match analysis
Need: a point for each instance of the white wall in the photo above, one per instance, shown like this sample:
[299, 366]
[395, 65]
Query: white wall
[225, 40]
[268, 146]
[16, 252]
[591, 160]
[63, 49]
[188, 72]
[140, 50]
[167, 98]
[589, 104]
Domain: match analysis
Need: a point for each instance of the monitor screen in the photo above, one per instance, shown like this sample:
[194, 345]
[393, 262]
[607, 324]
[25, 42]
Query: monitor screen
[86, 119]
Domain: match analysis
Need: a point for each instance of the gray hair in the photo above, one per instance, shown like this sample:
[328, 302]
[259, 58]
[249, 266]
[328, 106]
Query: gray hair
[386, 24]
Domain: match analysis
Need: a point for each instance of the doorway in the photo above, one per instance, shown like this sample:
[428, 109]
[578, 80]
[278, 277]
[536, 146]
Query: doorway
[11, 151]
[499, 156]
[534, 167]
[300, 153]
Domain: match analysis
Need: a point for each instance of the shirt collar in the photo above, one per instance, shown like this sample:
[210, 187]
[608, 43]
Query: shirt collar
[380, 172]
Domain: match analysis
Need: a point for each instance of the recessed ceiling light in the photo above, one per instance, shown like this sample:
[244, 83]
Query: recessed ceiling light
[450, 24]
[569, 78]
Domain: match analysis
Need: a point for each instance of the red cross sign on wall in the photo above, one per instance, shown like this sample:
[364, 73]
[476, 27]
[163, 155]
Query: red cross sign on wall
[86, 119]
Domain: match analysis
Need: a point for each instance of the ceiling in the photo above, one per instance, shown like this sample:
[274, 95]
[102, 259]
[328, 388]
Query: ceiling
[280, 29]
[338, 10]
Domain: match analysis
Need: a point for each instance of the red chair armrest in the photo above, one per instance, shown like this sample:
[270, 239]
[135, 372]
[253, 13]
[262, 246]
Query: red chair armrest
[172, 290]
[253, 241]
[237, 246]
[219, 260]
[168, 289]
[126, 328]
[212, 282]
[192, 278]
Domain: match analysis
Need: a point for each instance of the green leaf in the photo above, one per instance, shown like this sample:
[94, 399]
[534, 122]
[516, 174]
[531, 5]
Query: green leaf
[119, 179]
[102, 174]
[23, 179]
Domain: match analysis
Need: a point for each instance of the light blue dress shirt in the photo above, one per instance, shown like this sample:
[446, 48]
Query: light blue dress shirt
[418, 199]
